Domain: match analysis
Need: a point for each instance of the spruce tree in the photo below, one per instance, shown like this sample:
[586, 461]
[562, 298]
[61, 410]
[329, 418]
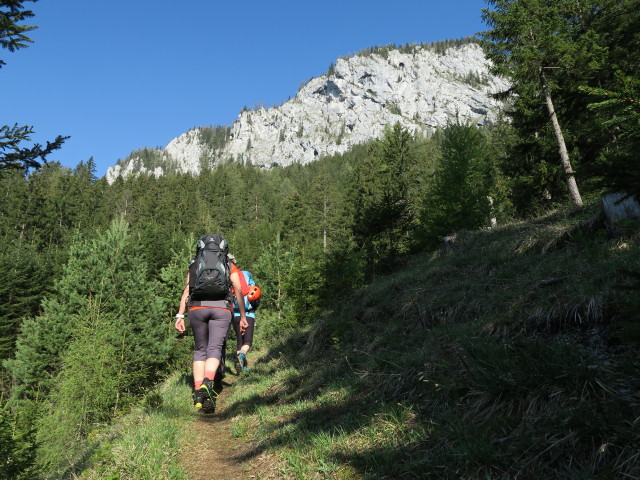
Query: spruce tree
[13, 36]
[532, 43]
[382, 218]
[26, 281]
[619, 111]
[109, 271]
[17, 452]
[463, 181]
[95, 380]
[271, 272]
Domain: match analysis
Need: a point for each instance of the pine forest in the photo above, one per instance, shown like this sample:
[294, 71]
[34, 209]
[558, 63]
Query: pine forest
[451, 306]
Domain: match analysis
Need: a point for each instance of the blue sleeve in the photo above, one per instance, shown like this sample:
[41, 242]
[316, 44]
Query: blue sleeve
[248, 277]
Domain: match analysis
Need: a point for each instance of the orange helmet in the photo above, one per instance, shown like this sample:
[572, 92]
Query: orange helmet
[254, 293]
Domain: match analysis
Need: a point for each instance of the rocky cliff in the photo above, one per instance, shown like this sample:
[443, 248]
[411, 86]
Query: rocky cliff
[422, 87]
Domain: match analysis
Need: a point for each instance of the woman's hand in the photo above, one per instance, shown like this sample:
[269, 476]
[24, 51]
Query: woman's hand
[180, 325]
[243, 324]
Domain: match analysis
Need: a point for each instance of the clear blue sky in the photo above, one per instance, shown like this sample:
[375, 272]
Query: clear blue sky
[120, 75]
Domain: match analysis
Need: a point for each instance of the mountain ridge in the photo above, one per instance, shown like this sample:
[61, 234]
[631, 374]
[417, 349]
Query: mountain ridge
[422, 87]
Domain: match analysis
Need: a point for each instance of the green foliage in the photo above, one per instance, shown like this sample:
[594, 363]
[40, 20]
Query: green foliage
[339, 223]
[302, 286]
[343, 271]
[393, 108]
[110, 272]
[620, 112]
[535, 44]
[382, 216]
[151, 441]
[93, 384]
[440, 47]
[332, 70]
[173, 273]
[13, 36]
[271, 272]
[295, 214]
[474, 369]
[16, 447]
[98, 342]
[476, 79]
[28, 280]
[530, 35]
[214, 137]
[569, 45]
[458, 197]
[14, 156]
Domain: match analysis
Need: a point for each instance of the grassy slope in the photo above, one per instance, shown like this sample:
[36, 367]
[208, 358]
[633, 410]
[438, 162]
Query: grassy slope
[502, 359]
[146, 443]
[514, 356]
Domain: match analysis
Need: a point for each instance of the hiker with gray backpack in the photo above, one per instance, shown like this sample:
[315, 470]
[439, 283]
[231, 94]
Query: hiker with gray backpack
[211, 285]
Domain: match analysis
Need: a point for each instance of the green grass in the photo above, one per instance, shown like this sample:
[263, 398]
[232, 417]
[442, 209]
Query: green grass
[514, 356]
[503, 359]
[146, 443]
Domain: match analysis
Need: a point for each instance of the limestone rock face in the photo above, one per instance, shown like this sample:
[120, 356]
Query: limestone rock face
[422, 90]
[136, 165]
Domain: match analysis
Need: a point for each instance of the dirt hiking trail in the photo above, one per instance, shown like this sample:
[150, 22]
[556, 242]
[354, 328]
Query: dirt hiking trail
[213, 453]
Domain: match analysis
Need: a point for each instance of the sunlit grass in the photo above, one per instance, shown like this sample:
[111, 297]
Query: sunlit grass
[499, 360]
[488, 362]
[146, 444]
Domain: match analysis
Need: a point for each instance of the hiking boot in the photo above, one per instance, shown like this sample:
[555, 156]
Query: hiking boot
[209, 392]
[242, 362]
[238, 365]
[198, 398]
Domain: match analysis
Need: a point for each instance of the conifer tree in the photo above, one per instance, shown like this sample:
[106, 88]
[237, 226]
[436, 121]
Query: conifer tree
[382, 217]
[619, 111]
[532, 42]
[295, 228]
[13, 36]
[303, 285]
[50, 206]
[457, 197]
[326, 195]
[109, 271]
[26, 281]
[96, 377]
[16, 447]
[272, 270]
[13, 192]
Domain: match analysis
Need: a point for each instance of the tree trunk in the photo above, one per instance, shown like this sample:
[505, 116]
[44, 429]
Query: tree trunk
[324, 224]
[562, 147]
[493, 222]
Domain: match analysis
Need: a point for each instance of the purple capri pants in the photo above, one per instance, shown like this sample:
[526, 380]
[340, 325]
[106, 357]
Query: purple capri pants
[210, 326]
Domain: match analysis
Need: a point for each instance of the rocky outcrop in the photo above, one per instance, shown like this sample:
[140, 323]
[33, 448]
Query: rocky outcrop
[422, 88]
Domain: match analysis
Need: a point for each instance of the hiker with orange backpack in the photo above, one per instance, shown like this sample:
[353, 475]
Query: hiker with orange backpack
[244, 338]
[211, 285]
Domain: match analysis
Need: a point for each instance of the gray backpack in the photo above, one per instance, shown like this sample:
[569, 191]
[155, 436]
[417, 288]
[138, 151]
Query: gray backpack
[209, 277]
